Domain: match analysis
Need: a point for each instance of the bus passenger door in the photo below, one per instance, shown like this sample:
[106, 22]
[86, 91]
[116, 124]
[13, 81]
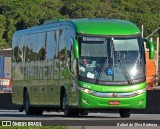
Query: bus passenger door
[72, 68]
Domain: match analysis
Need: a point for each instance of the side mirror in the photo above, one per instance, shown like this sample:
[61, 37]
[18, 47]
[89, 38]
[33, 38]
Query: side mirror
[151, 48]
[76, 49]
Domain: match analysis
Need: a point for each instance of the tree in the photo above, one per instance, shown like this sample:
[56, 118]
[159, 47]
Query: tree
[80, 8]
[2, 31]
[21, 14]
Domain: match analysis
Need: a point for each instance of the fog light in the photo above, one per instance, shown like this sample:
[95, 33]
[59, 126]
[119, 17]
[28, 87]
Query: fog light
[85, 101]
[141, 101]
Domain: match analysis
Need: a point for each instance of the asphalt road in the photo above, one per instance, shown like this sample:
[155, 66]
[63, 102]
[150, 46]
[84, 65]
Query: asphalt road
[16, 118]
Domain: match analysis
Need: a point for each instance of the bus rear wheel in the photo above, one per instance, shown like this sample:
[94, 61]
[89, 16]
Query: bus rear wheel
[38, 112]
[28, 109]
[125, 113]
[67, 110]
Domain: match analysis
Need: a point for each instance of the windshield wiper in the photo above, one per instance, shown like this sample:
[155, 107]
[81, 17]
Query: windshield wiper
[102, 70]
[126, 74]
[106, 64]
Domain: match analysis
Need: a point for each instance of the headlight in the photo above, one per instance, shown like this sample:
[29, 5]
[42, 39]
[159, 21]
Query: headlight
[138, 92]
[87, 91]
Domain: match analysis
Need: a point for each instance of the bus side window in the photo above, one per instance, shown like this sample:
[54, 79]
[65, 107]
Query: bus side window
[42, 39]
[69, 52]
[15, 54]
[42, 53]
[74, 65]
[51, 45]
[62, 47]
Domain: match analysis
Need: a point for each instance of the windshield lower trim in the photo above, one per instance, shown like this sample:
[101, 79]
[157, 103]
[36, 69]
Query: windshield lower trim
[109, 83]
[119, 95]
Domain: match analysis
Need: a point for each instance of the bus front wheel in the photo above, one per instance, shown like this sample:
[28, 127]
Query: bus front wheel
[124, 113]
[27, 107]
[83, 113]
[67, 110]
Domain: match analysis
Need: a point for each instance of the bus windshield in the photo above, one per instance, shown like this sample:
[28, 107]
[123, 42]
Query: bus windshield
[111, 60]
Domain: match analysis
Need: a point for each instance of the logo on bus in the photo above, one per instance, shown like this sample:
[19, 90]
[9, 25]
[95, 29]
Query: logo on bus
[114, 95]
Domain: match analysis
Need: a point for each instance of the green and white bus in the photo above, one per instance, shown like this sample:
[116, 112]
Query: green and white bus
[47, 71]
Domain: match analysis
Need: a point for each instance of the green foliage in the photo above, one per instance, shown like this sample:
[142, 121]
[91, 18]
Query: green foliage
[2, 31]
[79, 8]
[21, 14]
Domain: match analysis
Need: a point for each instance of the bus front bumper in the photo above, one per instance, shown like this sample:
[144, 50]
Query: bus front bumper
[89, 101]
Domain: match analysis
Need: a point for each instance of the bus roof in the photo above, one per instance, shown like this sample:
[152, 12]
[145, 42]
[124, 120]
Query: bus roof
[105, 26]
[95, 26]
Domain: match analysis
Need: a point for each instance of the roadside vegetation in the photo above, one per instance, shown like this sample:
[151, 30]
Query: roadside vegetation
[21, 14]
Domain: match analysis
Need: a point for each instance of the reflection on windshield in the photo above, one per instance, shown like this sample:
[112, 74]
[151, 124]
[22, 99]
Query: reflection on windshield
[111, 59]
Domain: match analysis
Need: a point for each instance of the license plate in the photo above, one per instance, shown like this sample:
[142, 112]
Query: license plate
[114, 102]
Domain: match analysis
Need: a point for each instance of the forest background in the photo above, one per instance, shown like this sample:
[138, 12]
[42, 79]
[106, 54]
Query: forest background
[21, 14]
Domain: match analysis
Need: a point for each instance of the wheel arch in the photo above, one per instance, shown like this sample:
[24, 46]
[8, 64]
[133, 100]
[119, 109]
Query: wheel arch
[63, 90]
[24, 91]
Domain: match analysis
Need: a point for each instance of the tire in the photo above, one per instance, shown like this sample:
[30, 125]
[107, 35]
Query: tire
[83, 113]
[65, 106]
[28, 109]
[125, 113]
[38, 112]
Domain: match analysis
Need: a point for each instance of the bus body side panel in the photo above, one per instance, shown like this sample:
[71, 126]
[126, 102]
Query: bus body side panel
[43, 76]
[17, 95]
